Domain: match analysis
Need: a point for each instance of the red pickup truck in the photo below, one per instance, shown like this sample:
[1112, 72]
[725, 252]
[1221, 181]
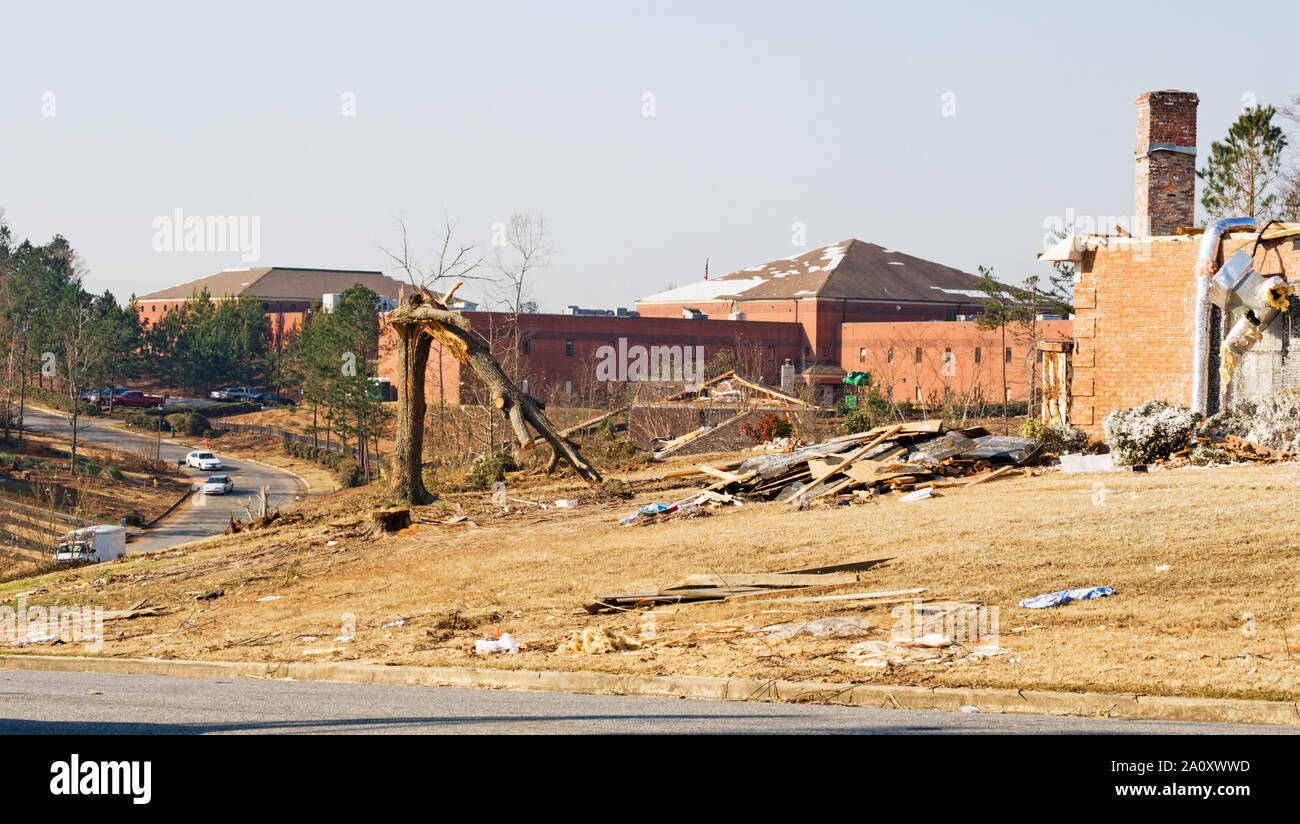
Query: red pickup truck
[136, 399]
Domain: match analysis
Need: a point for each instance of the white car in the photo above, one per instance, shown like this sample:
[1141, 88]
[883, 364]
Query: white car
[218, 485]
[203, 460]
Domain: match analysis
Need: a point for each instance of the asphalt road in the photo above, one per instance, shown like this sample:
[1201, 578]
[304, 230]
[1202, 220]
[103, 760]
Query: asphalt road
[97, 703]
[201, 515]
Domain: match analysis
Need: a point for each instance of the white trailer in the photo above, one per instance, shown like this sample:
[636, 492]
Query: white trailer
[102, 542]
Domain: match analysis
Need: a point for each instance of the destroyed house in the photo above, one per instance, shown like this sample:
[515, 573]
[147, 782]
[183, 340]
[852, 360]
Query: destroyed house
[1173, 311]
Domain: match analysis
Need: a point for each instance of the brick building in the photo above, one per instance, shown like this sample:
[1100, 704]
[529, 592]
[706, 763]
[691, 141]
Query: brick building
[1136, 298]
[823, 289]
[929, 362]
[286, 293]
[561, 356]
[823, 311]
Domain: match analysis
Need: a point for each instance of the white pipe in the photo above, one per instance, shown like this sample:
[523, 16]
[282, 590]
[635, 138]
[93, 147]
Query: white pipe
[1201, 319]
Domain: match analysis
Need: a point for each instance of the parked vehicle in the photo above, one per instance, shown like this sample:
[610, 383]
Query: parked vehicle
[218, 485]
[236, 393]
[103, 396]
[135, 399]
[102, 542]
[203, 460]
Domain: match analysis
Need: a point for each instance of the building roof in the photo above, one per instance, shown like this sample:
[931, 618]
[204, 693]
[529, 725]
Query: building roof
[274, 282]
[851, 270]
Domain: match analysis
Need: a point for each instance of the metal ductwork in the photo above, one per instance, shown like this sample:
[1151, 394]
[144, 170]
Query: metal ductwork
[1234, 287]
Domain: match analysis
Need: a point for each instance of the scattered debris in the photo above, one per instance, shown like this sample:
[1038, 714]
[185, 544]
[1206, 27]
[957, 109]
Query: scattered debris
[840, 626]
[506, 643]
[596, 641]
[566, 503]
[400, 622]
[899, 457]
[211, 595]
[1065, 596]
[969, 708]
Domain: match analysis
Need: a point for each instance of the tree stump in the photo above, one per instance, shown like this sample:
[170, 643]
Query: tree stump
[384, 521]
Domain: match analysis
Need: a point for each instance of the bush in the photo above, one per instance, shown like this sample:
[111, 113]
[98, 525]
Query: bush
[768, 427]
[1272, 421]
[1149, 433]
[349, 473]
[1057, 439]
[870, 412]
[112, 473]
[188, 423]
[490, 469]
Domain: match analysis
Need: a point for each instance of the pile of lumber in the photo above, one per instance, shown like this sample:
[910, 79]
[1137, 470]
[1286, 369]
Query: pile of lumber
[713, 587]
[1240, 450]
[898, 457]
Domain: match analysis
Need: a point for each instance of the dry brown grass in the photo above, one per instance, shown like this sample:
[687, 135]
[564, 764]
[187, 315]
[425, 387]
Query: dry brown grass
[528, 572]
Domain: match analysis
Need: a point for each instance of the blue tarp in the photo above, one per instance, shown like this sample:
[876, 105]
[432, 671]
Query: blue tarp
[1065, 596]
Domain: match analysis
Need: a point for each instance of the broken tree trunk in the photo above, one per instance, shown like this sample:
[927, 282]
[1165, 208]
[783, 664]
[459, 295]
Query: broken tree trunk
[407, 479]
[423, 316]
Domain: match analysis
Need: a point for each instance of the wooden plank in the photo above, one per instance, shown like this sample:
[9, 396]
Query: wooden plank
[817, 478]
[769, 579]
[997, 473]
[718, 473]
[833, 489]
[852, 596]
[851, 566]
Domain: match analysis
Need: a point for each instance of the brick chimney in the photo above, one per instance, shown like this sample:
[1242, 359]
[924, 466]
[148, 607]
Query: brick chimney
[1166, 162]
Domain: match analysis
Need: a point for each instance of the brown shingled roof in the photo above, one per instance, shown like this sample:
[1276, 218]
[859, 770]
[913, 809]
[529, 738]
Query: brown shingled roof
[851, 270]
[281, 282]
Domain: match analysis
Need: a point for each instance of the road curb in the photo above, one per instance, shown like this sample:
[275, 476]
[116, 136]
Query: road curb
[170, 509]
[1132, 707]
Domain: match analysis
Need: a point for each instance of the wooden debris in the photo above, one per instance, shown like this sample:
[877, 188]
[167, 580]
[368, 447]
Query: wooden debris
[711, 587]
[893, 458]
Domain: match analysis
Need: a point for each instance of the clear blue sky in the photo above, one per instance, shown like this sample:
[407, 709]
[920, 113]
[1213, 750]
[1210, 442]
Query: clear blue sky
[766, 114]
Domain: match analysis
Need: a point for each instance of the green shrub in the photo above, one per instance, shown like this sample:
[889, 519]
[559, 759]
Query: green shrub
[112, 473]
[188, 423]
[870, 412]
[491, 468]
[1056, 439]
[1149, 433]
[349, 473]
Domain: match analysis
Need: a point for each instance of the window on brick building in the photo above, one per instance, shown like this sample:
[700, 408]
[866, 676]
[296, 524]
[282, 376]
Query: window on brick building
[568, 350]
[918, 356]
[826, 351]
[1008, 354]
[862, 354]
[978, 354]
[889, 356]
[527, 346]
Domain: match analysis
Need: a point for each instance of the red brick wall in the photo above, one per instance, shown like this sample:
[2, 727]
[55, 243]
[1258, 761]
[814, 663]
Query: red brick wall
[865, 347]
[285, 316]
[1133, 308]
[820, 318]
[762, 348]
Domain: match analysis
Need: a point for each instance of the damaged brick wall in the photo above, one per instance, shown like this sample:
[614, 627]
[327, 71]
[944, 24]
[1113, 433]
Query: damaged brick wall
[1133, 326]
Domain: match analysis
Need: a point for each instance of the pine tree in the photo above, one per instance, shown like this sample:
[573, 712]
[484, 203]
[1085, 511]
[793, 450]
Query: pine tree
[1243, 170]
